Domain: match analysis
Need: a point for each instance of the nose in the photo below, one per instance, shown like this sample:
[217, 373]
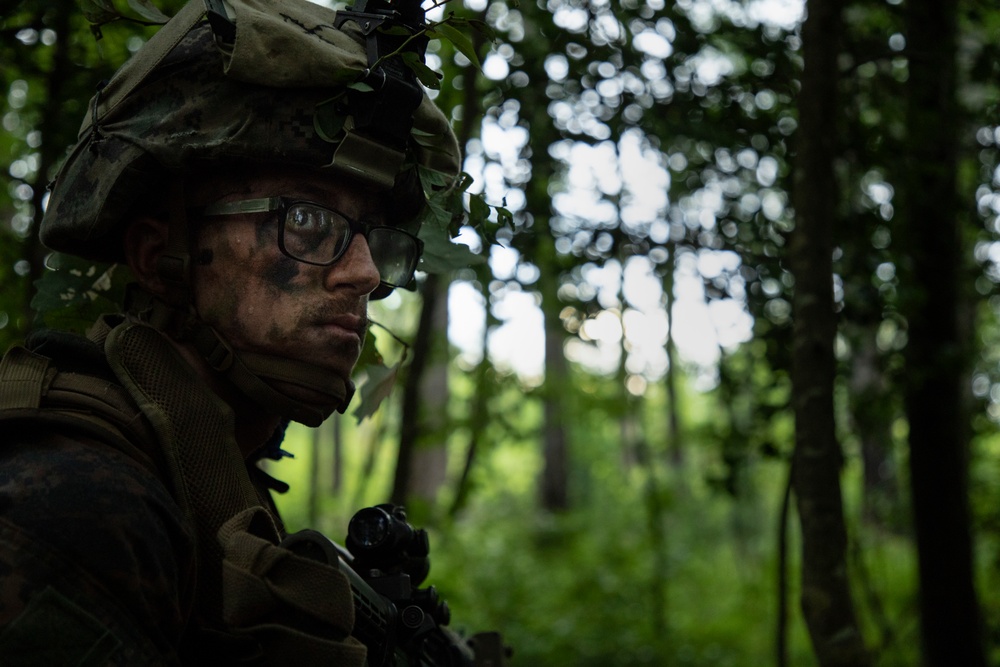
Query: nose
[356, 270]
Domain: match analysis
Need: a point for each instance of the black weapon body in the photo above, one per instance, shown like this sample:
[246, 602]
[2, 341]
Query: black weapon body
[401, 624]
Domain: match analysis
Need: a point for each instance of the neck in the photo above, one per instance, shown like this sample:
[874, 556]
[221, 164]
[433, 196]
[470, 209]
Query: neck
[254, 426]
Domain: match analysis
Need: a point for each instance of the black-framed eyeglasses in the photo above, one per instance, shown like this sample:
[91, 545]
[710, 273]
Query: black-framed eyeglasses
[315, 234]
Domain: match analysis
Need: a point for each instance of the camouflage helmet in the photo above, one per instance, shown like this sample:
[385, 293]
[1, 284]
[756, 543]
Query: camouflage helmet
[280, 87]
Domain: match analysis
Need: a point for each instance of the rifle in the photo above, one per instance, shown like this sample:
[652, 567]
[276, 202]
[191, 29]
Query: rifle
[401, 625]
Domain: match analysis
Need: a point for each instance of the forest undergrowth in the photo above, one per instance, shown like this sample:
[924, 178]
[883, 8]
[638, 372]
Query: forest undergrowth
[673, 573]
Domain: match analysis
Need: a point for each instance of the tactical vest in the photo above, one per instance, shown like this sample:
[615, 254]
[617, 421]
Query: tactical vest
[254, 598]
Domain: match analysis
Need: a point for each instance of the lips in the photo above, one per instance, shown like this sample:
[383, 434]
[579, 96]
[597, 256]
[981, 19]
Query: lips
[342, 328]
[349, 322]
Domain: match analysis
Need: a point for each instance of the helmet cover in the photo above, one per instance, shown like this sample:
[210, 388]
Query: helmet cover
[276, 94]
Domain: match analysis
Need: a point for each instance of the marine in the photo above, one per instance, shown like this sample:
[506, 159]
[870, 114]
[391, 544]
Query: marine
[261, 167]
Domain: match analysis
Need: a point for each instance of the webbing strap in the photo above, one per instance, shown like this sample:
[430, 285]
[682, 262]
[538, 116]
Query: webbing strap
[252, 374]
[299, 612]
[249, 380]
[25, 377]
[369, 159]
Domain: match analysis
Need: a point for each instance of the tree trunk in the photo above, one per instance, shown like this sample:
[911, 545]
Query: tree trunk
[315, 479]
[674, 448]
[555, 473]
[871, 420]
[479, 413]
[430, 456]
[826, 599]
[934, 356]
[337, 464]
[634, 438]
[410, 426]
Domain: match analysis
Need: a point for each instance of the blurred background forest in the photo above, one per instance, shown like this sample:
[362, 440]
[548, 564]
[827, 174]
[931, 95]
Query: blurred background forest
[726, 391]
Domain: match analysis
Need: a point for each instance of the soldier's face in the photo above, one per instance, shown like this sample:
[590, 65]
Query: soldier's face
[262, 301]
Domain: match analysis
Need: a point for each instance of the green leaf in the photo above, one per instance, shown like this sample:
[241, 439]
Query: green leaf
[425, 74]
[483, 28]
[479, 211]
[378, 383]
[433, 180]
[392, 29]
[361, 87]
[148, 11]
[462, 43]
[445, 211]
[78, 291]
[441, 255]
[504, 217]
[370, 355]
[98, 12]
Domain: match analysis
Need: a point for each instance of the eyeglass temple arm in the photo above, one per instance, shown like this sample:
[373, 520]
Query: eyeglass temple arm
[263, 205]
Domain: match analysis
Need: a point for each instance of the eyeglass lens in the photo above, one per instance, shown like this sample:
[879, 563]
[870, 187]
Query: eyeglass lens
[321, 236]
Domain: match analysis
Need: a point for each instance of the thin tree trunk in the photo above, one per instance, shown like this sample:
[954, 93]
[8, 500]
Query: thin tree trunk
[634, 438]
[410, 411]
[781, 648]
[554, 483]
[337, 465]
[826, 599]
[871, 416]
[674, 447]
[950, 615]
[316, 446]
[659, 576]
[555, 473]
[430, 456]
[478, 412]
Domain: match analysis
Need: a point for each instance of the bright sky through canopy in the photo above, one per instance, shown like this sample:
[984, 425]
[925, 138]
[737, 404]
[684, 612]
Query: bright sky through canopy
[639, 176]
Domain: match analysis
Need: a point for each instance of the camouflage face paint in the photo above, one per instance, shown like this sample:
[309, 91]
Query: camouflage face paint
[226, 309]
[282, 273]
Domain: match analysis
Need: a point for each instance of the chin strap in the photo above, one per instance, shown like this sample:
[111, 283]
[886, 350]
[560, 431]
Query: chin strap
[268, 380]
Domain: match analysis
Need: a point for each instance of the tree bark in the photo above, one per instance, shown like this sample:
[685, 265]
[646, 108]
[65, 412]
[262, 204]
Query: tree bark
[871, 420]
[541, 247]
[934, 356]
[674, 447]
[430, 456]
[410, 411]
[479, 412]
[826, 599]
[555, 450]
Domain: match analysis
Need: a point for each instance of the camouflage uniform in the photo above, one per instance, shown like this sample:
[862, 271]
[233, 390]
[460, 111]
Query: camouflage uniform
[118, 589]
[133, 531]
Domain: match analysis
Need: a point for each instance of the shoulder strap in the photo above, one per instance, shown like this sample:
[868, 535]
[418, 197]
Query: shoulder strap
[33, 390]
[25, 376]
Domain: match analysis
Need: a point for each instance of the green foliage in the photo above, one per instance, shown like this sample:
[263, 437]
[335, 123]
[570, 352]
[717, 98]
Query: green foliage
[584, 588]
[451, 30]
[718, 110]
[74, 292]
[379, 379]
[444, 217]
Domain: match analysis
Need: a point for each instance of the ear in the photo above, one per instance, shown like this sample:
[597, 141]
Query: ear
[145, 240]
